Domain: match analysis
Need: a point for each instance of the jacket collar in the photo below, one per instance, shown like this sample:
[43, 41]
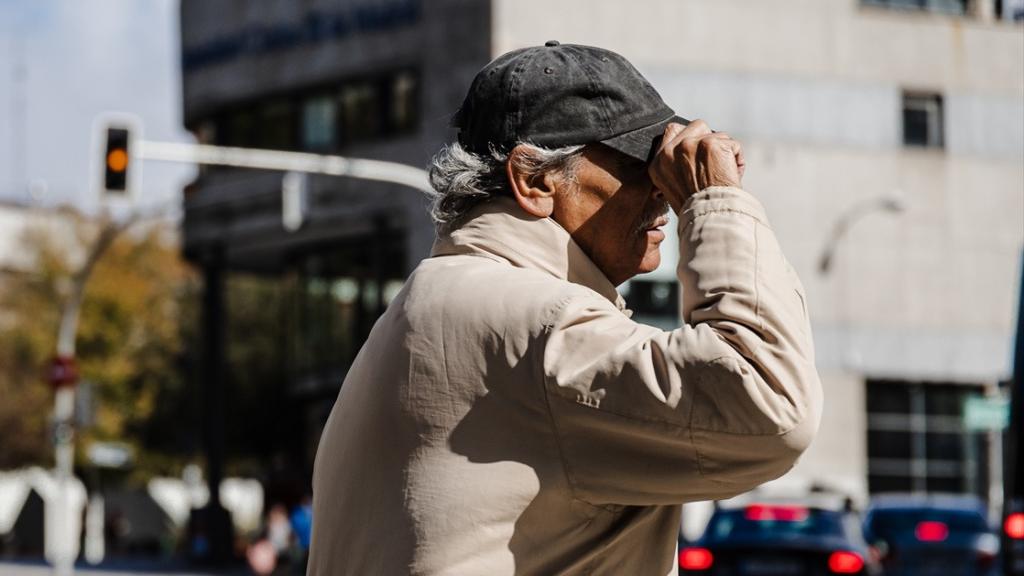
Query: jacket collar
[500, 229]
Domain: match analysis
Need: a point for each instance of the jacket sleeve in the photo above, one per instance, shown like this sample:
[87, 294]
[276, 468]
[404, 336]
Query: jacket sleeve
[710, 410]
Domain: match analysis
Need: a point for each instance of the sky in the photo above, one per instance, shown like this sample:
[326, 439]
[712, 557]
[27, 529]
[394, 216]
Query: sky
[82, 58]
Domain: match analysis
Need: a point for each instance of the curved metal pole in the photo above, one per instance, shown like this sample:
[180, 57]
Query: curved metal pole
[848, 219]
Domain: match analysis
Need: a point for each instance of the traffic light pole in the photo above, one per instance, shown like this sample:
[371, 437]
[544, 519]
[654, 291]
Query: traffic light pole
[284, 161]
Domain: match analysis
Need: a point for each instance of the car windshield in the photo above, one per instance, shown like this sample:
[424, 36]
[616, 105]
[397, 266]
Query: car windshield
[773, 522]
[888, 523]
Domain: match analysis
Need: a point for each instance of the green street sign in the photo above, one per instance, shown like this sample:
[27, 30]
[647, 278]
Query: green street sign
[986, 413]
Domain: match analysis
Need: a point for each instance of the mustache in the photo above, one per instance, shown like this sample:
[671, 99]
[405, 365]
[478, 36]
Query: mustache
[649, 220]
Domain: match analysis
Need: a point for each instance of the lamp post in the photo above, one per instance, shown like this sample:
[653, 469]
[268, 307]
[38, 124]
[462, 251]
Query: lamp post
[889, 203]
[845, 354]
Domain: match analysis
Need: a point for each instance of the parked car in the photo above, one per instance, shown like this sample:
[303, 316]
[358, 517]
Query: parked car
[1013, 537]
[932, 535]
[778, 539]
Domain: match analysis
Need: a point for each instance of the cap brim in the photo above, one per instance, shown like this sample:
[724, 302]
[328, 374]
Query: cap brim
[640, 143]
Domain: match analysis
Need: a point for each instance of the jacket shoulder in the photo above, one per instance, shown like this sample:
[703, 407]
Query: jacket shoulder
[465, 283]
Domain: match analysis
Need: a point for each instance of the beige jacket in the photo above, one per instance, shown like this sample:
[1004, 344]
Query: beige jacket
[506, 416]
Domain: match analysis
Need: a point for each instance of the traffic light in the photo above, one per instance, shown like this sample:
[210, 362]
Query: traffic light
[116, 161]
[116, 147]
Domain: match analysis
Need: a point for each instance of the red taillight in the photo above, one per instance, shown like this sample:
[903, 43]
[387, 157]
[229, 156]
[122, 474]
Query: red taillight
[843, 562]
[695, 558]
[931, 531]
[761, 512]
[1014, 526]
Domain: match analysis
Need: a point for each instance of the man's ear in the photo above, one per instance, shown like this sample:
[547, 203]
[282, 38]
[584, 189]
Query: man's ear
[535, 193]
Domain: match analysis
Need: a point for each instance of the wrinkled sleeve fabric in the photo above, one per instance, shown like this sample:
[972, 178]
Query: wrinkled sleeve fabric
[710, 410]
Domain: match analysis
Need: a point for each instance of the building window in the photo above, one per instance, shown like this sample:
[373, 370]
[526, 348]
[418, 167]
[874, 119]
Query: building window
[917, 441]
[942, 6]
[360, 111]
[319, 123]
[922, 120]
[322, 118]
[277, 125]
[241, 128]
[336, 294]
[404, 113]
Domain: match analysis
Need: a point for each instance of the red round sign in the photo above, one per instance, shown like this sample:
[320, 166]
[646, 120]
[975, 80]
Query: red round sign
[63, 372]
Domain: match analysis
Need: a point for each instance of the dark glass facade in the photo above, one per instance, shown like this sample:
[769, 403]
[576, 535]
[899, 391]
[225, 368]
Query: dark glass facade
[917, 441]
[374, 79]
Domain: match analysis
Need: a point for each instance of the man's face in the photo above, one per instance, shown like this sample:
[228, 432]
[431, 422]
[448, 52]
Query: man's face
[614, 213]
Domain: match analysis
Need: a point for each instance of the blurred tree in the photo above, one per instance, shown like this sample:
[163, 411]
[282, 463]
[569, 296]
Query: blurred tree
[139, 345]
[137, 316]
[28, 321]
[137, 313]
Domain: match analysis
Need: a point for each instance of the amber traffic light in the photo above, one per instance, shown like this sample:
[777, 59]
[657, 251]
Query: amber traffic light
[116, 161]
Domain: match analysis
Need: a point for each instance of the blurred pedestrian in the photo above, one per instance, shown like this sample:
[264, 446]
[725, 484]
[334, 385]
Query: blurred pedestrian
[302, 526]
[278, 549]
[506, 416]
[279, 529]
[262, 557]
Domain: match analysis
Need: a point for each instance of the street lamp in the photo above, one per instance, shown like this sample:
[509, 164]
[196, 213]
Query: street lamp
[889, 203]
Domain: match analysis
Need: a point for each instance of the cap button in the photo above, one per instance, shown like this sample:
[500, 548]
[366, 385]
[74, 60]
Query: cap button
[551, 43]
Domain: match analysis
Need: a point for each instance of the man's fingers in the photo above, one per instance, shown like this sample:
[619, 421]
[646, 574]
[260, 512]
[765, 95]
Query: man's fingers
[734, 146]
[673, 135]
[672, 130]
[717, 136]
[676, 134]
[720, 160]
[737, 151]
[741, 162]
[692, 158]
[696, 129]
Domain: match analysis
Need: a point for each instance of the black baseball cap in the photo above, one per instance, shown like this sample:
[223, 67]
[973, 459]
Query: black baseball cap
[562, 95]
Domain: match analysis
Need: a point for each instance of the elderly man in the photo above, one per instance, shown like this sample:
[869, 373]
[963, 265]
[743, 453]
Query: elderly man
[505, 415]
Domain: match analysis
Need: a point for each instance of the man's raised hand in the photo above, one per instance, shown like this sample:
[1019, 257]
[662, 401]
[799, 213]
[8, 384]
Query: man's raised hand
[693, 158]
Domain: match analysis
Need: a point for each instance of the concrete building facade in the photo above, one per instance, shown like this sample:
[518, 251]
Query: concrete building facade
[888, 139]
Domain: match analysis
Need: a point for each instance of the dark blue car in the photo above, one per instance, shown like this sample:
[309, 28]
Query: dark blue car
[932, 535]
[778, 539]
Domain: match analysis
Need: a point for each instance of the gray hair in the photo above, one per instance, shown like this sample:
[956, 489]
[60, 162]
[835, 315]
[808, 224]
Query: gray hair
[462, 180]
